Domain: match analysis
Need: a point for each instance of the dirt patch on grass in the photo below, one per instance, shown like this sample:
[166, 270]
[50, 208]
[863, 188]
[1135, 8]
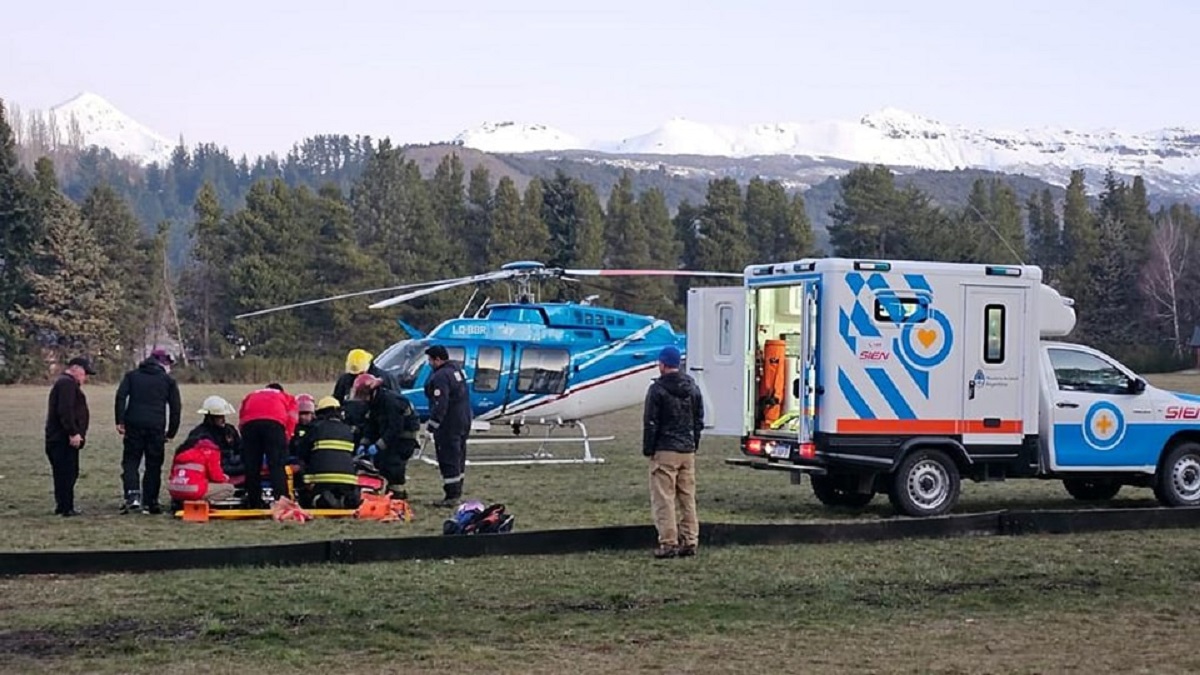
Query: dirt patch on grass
[79, 640]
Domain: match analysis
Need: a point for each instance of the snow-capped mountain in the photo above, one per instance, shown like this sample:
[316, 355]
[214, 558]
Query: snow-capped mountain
[1167, 157]
[510, 137]
[100, 123]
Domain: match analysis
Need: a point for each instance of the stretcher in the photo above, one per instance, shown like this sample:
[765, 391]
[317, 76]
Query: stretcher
[201, 512]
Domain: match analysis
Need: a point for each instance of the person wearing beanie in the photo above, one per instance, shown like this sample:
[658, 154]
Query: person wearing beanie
[147, 413]
[672, 422]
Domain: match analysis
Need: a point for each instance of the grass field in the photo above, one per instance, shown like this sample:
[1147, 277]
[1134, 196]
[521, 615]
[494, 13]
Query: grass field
[1080, 604]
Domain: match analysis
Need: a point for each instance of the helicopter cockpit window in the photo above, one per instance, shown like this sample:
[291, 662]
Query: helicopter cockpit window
[405, 363]
[543, 371]
[487, 369]
[458, 356]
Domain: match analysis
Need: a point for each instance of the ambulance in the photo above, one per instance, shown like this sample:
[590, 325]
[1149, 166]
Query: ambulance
[905, 377]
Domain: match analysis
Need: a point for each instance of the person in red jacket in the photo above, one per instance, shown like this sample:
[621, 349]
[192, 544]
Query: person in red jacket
[196, 475]
[268, 420]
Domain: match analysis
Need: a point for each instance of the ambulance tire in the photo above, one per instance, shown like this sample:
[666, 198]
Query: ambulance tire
[1178, 480]
[1091, 489]
[834, 491]
[926, 483]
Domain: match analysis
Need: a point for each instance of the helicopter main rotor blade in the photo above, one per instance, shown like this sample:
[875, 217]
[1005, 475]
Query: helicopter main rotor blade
[444, 285]
[656, 273]
[331, 298]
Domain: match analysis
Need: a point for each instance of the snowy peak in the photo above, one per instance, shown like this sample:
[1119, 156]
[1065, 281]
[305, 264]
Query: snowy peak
[513, 137]
[89, 119]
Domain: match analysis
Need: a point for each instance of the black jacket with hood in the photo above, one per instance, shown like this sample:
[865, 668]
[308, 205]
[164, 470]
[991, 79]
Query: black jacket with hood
[674, 415]
[146, 396]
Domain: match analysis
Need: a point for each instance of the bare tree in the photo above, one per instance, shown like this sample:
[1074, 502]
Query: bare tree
[1170, 249]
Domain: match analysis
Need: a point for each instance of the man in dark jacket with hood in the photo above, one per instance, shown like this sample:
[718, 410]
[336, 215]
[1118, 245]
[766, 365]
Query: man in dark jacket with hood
[144, 399]
[674, 418]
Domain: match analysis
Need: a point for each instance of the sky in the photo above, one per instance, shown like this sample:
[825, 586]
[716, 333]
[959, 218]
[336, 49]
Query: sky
[258, 75]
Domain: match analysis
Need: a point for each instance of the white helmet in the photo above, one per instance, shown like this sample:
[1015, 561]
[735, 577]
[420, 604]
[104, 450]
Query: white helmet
[215, 405]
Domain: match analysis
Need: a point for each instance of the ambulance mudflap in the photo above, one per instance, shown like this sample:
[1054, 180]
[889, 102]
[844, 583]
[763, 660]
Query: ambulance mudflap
[906, 377]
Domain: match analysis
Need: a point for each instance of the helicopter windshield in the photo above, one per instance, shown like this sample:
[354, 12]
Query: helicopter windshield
[404, 363]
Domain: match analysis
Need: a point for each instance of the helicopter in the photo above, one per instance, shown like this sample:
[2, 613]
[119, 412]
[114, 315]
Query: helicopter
[530, 363]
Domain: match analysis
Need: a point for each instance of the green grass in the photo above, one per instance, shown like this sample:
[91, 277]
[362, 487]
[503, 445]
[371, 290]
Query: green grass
[1104, 603]
[613, 493]
[1113, 602]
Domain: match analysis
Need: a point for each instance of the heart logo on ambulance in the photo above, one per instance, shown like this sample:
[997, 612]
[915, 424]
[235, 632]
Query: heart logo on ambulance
[926, 337]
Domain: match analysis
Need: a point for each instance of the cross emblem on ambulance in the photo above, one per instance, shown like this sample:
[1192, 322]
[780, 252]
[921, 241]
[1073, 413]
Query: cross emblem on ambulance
[1104, 424]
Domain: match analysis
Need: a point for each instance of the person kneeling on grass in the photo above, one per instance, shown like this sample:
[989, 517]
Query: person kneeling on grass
[329, 479]
[196, 475]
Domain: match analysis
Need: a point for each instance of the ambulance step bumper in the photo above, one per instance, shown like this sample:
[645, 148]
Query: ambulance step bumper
[775, 466]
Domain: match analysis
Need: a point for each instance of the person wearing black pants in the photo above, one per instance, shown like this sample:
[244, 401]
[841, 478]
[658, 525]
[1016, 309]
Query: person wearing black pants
[144, 399]
[268, 419]
[264, 438]
[449, 422]
[67, 420]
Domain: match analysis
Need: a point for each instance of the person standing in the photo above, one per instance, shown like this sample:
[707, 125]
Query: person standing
[673, 420]
[449, 421]
[268, 419]
[67, 418]
[147, 413]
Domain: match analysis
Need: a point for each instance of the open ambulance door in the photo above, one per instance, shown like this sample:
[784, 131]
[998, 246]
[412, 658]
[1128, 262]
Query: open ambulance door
[716, 357]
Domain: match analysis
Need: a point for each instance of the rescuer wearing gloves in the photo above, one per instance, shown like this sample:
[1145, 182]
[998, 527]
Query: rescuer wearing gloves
[390, 434]
[329, 479]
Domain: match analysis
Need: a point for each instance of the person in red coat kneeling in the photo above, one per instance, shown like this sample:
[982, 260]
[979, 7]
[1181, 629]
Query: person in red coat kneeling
[196, 475]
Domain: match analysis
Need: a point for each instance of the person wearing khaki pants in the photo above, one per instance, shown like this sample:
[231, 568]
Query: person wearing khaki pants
[672, 422]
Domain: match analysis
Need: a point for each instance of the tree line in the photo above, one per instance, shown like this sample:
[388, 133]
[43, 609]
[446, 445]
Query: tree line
[81, 273]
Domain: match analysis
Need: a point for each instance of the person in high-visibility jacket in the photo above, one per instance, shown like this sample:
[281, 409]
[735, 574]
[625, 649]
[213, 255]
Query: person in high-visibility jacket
[196, 475]
[326, 452]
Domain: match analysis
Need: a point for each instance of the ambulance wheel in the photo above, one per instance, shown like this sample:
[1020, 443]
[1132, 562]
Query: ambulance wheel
[1178, 481]
[1091, 489]
[926, 484]
[838, 491]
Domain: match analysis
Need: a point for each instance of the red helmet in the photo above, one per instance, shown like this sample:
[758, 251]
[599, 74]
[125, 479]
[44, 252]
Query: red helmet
[305, 403]
[365, 383]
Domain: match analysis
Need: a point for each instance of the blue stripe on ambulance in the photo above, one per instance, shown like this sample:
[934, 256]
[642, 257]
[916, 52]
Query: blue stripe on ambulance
[891, 394]
[855, 399]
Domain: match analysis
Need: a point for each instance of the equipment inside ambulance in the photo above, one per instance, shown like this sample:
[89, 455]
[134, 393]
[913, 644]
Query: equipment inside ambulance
[905, 377]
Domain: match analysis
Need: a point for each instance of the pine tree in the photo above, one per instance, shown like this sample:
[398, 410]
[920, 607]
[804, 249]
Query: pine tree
[1045, 237]
[1009, 231]
[513, 236]
[450, 212]
[687, 232]
[19, 228]
[864, 221]
[73, 304]
[721, 241]
[1079, 242]
[794, 240]
[534, 224]
[575, 222]
[1138, 221]
[478, 219]
[627, 247]
[664, 254]
[1111, 290]
[132, 267]
[763, 209]
[211, 252]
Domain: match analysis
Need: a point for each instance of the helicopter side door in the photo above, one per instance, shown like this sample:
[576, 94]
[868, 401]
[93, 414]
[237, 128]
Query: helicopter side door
[492, 370]
[537, 372]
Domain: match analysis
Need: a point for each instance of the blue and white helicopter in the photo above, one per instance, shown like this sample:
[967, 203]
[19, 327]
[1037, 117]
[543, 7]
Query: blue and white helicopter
[550, 364]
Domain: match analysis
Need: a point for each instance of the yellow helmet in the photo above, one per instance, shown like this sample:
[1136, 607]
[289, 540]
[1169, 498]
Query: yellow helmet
[327, 403]
[357, 361]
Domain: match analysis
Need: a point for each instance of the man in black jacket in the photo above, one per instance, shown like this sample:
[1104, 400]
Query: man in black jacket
[449, 421]
[674, 418]
[216, 428]
[144, 399]
[390, 432]
[67, 420]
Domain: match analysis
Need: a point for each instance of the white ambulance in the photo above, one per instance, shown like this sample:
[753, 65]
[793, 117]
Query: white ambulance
[903, 377]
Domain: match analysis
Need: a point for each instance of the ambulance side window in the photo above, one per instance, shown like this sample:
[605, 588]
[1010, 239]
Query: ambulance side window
[725, 330]
[487, 369]
[993, 326]
[1080, 371]
[897, 310]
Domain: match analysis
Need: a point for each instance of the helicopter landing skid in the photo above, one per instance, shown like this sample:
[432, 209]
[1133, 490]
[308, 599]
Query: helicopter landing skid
[539, 456]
